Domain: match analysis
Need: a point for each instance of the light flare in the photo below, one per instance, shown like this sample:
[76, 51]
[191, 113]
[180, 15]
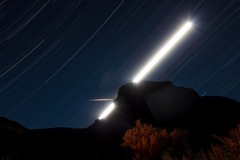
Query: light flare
[101, 99]
[163, 51]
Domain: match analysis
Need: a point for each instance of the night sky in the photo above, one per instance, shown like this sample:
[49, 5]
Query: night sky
[58, 55]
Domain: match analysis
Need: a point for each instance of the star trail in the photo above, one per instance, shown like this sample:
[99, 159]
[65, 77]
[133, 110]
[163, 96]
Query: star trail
[62, 61]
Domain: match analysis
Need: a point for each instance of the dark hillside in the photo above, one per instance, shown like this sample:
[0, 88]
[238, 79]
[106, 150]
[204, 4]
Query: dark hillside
[159, 103]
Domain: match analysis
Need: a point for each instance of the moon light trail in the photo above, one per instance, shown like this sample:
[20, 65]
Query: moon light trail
[163, 51]
[159, 56]
[107, 111]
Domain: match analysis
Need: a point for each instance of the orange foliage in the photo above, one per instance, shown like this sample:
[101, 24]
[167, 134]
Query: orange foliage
[145, 141]
[178, 135]
[178, 146]
[148, 142]
[230, 148]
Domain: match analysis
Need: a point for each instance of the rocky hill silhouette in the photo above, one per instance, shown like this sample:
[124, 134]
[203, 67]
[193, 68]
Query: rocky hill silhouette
[159, 103]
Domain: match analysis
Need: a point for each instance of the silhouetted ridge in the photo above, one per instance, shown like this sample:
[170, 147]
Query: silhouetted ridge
[152, 102]
[168, 106]
[10, 126]
[159, 103]
[141, 87]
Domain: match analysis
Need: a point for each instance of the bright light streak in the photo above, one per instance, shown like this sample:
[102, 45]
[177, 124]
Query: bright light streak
[163, 51]
[159, 55]
[107, 111]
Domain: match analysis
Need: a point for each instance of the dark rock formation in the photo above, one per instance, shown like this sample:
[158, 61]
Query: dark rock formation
[167, 106]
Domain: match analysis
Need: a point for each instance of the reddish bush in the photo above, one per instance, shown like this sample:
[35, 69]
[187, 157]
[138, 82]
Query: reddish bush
[145, 141]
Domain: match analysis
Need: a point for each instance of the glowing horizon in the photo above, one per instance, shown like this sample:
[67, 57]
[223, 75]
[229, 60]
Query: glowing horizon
[163, 51]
